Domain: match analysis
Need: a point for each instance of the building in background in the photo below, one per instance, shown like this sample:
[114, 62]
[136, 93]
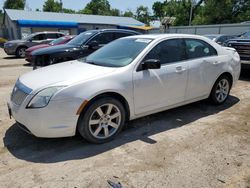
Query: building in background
[20, 23]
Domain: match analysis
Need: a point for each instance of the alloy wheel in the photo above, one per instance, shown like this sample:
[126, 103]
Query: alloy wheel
[105, 121]
[222, 90]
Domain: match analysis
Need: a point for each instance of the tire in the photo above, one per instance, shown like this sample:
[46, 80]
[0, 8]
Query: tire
[220, 90]
[20, 52]
[102, 120]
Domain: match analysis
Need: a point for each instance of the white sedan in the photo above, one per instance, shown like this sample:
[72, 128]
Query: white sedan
[127, 79]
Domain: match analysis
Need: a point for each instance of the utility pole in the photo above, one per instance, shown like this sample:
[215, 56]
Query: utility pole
[191, 14]
[61, 6]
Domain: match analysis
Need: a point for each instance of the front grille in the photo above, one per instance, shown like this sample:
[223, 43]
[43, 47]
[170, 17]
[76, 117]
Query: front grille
[243, 50]
[18, 96]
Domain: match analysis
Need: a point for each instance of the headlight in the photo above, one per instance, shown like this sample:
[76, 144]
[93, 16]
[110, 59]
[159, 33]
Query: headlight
[9, 44]
[42, 98]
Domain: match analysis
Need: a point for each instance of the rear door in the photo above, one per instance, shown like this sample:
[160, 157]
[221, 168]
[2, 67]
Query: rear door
[158, 88]
[204, 67]
[38, 39]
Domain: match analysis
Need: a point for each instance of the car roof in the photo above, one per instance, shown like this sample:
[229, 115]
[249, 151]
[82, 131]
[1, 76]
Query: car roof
[169, 35]
[45, 32]
[115, 30]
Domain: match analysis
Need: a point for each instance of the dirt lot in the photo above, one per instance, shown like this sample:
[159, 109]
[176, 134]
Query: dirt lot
[198, 145]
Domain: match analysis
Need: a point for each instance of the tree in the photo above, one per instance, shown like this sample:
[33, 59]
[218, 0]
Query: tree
[228, 11]
[128, 13]
[97, 7]
[143, 14]
[158, 9]
[52, 6]
[115, 12]
[14, 4]
[69, 11]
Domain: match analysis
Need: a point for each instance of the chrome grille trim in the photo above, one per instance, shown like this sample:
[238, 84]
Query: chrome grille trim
[19, 93]
[18, 96]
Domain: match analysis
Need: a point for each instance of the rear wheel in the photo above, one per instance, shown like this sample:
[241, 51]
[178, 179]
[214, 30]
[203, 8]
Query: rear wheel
[20, 52]
[221, 90]
[102, 120]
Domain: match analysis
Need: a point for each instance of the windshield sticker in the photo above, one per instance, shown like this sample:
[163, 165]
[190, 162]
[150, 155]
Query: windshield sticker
[143, 40]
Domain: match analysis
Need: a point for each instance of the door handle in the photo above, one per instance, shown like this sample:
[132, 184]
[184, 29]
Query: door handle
[180, 69]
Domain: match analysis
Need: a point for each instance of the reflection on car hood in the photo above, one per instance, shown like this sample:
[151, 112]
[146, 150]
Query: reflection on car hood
[37, 47]
[53, 49]
[16, 41]
[63, 74]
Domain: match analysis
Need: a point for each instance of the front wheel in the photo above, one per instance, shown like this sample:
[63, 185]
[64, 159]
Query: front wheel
[102, 120]
[20, 52]
[221, 90]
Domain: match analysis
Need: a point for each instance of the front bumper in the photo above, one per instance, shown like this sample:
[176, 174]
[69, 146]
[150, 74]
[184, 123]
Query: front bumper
[28, 56]
[58, 119]
[10, 50]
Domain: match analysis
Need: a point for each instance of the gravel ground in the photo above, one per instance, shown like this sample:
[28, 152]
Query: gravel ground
[197, 145]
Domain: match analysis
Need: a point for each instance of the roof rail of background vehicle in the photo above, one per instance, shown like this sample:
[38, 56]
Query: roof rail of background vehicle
[167, 35]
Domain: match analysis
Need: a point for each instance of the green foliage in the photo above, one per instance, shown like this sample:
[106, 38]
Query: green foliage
[14, 4]
[128, 13]
[52, 6]
[115, 12]
[97, 7]
[204, 11]
[69, 11]
[143, 14]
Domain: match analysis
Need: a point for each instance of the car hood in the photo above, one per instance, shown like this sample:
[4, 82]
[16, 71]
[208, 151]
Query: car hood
[54, 49]
[63, 74]
[239, 40]
[37, 47]
[16, 41]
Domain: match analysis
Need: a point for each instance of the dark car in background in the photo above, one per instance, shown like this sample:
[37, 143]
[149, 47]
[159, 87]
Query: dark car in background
[220, 39]
[81, 46]
[18, 47]
[242, 45]
[59, 41]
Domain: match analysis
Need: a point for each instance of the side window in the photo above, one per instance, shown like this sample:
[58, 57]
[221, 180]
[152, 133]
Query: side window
[103, 38]
[120, 35]
[52, 36]
[168, 51]
[39, 37]
[198, 48]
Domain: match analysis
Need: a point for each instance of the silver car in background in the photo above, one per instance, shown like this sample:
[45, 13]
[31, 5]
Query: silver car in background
[18, 47]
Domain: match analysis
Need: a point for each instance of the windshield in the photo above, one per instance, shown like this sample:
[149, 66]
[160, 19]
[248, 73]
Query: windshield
[29, 37]
[118, 53]
[81, 38]
[57, 41]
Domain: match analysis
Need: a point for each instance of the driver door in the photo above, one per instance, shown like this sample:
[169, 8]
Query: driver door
[159, 88]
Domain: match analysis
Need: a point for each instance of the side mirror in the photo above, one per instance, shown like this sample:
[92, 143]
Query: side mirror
[93, 44]
[150, 64]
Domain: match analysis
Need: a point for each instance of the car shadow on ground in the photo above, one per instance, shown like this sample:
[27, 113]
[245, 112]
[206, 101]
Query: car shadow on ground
[12, 57]
[29, 148]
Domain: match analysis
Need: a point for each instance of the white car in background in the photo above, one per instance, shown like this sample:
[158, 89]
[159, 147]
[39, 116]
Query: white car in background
[127, 79]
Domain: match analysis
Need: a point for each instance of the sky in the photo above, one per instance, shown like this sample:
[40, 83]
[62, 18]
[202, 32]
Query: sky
[123, 5]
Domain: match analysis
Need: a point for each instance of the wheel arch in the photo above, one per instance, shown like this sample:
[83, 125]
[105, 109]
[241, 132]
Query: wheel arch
[114, 95]
[228, 74]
